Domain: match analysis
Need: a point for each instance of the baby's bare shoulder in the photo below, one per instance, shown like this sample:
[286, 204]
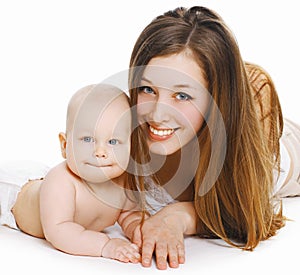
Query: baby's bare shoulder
[60, 175]
[61, 171]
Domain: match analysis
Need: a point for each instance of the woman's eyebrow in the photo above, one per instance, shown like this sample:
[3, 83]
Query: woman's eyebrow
[175, 86]
[185, 86]
[146, 80]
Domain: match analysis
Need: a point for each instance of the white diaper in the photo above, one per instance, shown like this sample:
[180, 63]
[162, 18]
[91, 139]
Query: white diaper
[13, 175]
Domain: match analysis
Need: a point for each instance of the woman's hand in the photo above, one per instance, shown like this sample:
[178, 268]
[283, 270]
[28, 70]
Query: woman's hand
[163, 234]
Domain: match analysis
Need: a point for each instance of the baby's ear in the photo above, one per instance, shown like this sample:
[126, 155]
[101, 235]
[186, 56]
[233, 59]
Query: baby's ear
[63, 144]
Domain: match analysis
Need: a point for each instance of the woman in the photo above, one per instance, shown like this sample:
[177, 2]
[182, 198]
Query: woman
[213, 123]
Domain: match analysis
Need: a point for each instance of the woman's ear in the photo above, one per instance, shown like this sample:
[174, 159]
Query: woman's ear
[63, 144]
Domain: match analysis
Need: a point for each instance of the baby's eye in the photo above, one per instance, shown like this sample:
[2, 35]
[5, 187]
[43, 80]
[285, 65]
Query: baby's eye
[146, 90]
[113, 141]
[88, 139]
[182, 96]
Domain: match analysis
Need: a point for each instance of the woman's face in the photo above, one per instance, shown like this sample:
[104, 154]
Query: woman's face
[172, 102]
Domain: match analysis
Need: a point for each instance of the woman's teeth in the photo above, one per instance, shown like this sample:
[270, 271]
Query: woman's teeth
[161, 132]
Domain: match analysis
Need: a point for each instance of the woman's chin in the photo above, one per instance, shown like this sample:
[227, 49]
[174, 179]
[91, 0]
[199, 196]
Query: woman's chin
[163, 148]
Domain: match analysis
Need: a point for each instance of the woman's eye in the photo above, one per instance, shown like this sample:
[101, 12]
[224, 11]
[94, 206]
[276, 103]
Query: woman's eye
[113, 141]
[182, 96]
[88, 139]
[146, 90]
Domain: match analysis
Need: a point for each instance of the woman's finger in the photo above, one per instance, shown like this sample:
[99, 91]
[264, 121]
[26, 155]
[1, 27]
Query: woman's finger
[161, 253]
[137, 237]
[147, 252]
[181, 253]
[173, 256]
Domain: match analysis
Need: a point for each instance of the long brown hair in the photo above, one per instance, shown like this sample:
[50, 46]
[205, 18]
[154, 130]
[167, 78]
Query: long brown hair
[238, 207]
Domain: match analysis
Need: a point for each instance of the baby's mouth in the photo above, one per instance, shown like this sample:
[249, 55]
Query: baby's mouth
[99, 165]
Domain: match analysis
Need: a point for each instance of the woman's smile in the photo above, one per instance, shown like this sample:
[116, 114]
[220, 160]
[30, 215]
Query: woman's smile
[160, 133]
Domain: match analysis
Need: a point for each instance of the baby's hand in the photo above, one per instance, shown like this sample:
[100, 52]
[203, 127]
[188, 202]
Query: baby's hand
[121, 250]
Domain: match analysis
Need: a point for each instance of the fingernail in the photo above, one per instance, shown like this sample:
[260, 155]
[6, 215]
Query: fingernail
[162, 265]
[174, 264]
[146, 261]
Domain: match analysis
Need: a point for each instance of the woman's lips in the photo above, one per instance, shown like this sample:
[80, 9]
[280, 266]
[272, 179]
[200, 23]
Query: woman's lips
[159, 134]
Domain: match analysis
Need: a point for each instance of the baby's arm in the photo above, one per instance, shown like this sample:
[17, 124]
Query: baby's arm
[130, 221]
[57, 206]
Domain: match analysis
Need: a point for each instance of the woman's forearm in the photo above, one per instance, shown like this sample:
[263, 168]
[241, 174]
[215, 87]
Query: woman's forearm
[183, 212]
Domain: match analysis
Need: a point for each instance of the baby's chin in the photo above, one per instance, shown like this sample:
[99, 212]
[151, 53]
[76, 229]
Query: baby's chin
[105, 174]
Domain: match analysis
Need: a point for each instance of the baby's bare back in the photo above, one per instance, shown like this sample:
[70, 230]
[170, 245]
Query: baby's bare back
[27, 209]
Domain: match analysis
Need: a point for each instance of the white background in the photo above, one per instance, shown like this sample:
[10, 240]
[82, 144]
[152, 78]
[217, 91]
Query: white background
[50, 49]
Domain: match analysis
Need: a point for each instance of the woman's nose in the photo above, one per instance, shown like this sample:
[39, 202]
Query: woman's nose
[160, 111]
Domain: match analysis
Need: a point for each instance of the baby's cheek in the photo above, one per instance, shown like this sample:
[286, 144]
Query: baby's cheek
[122, 155]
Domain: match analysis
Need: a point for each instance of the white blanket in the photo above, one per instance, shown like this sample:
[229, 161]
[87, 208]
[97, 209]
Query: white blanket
[23, 254]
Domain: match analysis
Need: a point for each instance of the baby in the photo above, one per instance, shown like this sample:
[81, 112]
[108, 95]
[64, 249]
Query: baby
[89, 191]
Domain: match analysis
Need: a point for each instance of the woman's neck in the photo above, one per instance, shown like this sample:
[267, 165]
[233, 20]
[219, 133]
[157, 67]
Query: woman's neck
[176, 175]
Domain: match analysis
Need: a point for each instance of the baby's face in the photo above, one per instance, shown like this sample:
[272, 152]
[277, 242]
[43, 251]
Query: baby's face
[98, 145]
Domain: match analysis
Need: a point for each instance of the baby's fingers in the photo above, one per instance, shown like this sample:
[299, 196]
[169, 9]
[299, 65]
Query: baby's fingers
[131, 254]
[134, 252]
